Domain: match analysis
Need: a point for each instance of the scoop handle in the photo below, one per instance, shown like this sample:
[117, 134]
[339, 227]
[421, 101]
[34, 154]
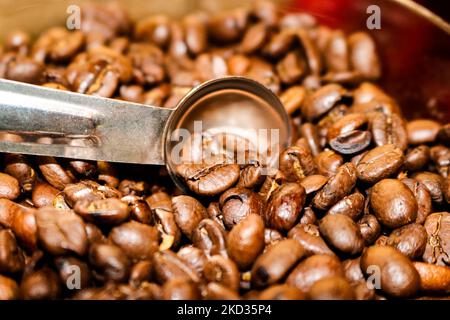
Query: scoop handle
[42, 121]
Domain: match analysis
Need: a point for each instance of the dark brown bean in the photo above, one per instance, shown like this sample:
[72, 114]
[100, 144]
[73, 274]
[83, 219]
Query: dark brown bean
[337, 187]
[12, 258]
[309, 237]
[188, 212]
[237, 203]
[433, 182]
[282, 292]
[275, 262]
[284, 206]
[370, 228]
[180, 289]
[328, 162]
[313, 269]
[296, 162]
[246, 241]
[409, 240]
[322, 100]
[423, 198]
[437, 250]
[105, 211]
[210, 237]
[417, 158]
[389, 128]
[110, 262]
[398, 276]
[351, 206]
[53, 172]
[351, 142]
[9, 187]
[9, 290]
[223, 271]
[18, 166]
[167, 266]
[331, 288]
[43, 284]
[422, 131]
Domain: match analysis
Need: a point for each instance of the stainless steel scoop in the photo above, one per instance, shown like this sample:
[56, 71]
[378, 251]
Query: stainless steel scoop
[41, 121]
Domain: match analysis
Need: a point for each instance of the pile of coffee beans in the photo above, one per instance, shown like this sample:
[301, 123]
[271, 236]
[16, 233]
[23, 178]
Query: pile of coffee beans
[358, 209]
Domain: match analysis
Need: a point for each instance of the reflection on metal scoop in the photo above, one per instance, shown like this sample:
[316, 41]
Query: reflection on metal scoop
[42, 121]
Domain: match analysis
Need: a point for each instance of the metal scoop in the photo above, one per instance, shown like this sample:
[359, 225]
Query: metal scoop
[41, 121]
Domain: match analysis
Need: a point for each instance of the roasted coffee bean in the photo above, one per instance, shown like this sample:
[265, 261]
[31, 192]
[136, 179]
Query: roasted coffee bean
[18, 166]
[9, 290]
[110, 211]
[154, 29]
[254, 38]
[309, 237]
[275, 262]
[66, 267]
[222, 270]
[331, 288]
[180, 289]
[393, 203]
[379, 163]
[246, 241]
[433, 278]
[351, 206]
[284, 206]
[43, 284]
[398, 278]
[251, 176]
[43, 194]
[313, 183]
[12, 258]
[337, 187]
[24, 226]
[210, 237]
[137, 240]
[423, 198]
[9, 187]
[107, 174]
[61, 231]
[433, 182]
[18, 40]
[296, 163]
[363, 56]
[389, 128]
[209, 180]
[237, 203]
[21, 68]
[279, 44]
[139, 209]
[313, 269]
[441, 158]
[417, 158]
[370, 228]
[94, 234]
[308, 217]
[110, 262]
[322, 100]
[409, 240]
[437, 250]
[188, 213]
[444, 134]
[311, 134]
[168, 266]
[291, 68]
[227, 26]
[168, 228]
[53, 172]
[342, 233]
[328, 162]
[351, 142]
[422, 131]
[293, 98]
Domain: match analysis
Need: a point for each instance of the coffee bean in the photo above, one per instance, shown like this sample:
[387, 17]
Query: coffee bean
[110, 211]
[168, 228]
[337, 52]
[110, 262]
[433, 182]
[43, 284]
[19, 167]
[337, 187]
[246, 241]
[43, 194]
[216, 291]
[370, 228]
[279, 44]
[409, 240]
[389, 128]
[363, 56]
[313, 269]
[342, 233]
[141, 272]
[66, 267]
[139, 209]
[254, 38]
[322, 100]
[422, 131]
[379, 163]
[168, 266]
[328, 162]
[308, 217]
[9, 187]
[313, 183]
[433, 278]
[194, 257]
[61, 231]
[271, 236]
[53, 172]
[209, 180]
[137, 240]
[275, 262]
[398, 278]
[293, 98]
[417, 158]
[351, 206]
[284, 206]
[291, 68]
[351, 142]
[188, 212]
[227, 26]
[393, 203]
